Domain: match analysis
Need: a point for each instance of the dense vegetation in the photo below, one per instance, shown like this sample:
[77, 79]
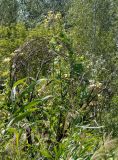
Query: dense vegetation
[59, 78]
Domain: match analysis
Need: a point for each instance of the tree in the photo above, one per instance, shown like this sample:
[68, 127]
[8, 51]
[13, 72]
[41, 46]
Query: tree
[8, 12]
[34, 12]
[93, 29]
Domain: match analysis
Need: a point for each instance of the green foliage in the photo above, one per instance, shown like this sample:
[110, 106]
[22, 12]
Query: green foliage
[11, 37]
[8, 12]
[59, 99]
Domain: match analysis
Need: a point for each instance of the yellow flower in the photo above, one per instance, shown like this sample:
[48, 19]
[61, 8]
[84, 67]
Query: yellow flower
[6, 60]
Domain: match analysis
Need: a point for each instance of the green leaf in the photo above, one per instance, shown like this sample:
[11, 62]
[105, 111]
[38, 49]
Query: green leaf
[30, 88]
[12, 130]
[19, 82]
[15, 131]
[21, 116]
[78, 68]
[32, 104]
[46, 153]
